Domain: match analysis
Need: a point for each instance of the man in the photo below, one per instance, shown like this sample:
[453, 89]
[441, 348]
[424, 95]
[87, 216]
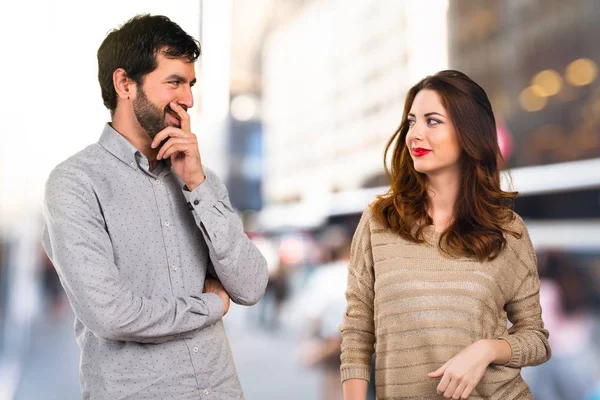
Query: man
[136, 226]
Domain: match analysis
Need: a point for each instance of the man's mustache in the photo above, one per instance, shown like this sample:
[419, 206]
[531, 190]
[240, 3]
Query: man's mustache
[169, 110]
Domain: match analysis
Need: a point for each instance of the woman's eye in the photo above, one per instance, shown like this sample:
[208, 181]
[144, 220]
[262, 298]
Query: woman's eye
[411, 122]
[432, 121]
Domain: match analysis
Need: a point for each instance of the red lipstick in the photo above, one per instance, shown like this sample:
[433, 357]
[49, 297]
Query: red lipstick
[420, 152]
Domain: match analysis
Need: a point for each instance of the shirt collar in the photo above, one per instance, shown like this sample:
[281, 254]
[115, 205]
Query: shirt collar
[116, 144]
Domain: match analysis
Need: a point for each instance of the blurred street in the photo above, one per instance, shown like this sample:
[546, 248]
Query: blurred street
[50, 368]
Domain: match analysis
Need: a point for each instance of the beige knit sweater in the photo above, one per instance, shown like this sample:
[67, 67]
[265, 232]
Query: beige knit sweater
[417, 307]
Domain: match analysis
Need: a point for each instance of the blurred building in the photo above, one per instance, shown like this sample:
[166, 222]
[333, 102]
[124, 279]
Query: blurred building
[242, 135]
[334, 79]
[538, 61]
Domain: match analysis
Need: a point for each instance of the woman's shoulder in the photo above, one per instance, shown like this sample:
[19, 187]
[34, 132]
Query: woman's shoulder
[514, 222]
[515, 229]
[369, 226]
[518, 240]
[368, 218]
[378, 232]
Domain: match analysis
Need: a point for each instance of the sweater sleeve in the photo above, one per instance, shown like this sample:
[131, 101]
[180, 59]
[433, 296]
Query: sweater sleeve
[527, 337]
[358, 327]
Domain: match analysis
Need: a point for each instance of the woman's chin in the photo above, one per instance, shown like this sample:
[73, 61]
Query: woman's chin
[423, 169]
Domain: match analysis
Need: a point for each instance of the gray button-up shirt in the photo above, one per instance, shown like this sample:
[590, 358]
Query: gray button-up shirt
[132, 248]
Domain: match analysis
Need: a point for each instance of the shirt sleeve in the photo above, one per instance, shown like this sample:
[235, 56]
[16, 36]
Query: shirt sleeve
[527, 337]
[238, 263]
[76, 240]
[358, 326]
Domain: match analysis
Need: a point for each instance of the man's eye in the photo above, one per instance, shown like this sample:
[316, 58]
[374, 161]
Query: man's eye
[174, 83]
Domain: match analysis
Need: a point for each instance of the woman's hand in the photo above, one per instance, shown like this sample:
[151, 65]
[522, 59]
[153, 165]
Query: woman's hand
[461, 374]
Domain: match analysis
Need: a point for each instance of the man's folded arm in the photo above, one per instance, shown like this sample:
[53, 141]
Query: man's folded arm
[78, 244]
[237, 262]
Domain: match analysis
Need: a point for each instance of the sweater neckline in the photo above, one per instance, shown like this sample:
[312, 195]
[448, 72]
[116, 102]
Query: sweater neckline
[431, 235]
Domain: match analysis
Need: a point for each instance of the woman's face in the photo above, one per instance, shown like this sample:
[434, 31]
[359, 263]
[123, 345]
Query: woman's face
[431, 138]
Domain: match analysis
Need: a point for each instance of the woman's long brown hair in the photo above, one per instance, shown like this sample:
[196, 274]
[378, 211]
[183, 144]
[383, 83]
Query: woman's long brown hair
[482, 211]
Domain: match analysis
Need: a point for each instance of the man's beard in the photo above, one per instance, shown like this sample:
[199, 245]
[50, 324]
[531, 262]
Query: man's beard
[151, 118]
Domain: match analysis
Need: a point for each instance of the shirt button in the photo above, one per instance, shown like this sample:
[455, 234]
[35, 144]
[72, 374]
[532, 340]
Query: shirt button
[132, 164]
[167, 223]
[174, 267]
[195, 349]
[158, 181]
[196, 202]
[206, 392]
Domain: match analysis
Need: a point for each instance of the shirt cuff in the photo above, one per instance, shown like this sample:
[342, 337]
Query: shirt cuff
[203, 197]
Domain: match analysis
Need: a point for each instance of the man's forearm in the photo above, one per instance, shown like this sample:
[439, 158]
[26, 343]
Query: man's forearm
[238, 264]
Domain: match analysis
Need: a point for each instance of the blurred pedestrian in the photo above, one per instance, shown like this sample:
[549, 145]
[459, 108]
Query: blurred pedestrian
[277, 292]
[566, 295]
[441, 263]
[143, 235]
[324, 304]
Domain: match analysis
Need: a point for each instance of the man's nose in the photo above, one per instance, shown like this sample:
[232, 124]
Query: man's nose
[186, 98]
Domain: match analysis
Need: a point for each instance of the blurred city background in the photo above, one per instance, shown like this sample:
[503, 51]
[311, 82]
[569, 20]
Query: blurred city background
[295, 102]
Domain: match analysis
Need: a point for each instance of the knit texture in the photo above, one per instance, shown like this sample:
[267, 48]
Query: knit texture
[416, 307]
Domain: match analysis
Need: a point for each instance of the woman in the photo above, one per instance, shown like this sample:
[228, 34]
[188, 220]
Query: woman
[441, 262]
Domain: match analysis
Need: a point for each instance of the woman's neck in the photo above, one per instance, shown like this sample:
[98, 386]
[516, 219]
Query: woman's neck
[442, 190]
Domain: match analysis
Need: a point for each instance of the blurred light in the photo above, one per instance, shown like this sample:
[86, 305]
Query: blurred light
[504, 140]
[530, 101]
[546, 83]
[291, 250]
[581, 72]
[244, 107]
[539, 91]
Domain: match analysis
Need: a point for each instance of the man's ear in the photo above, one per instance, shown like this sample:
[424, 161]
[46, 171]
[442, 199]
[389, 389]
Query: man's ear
[124, 85]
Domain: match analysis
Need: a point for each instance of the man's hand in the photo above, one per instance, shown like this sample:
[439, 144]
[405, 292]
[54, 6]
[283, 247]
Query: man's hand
[215, 286]
[182, 148]
[461, 374]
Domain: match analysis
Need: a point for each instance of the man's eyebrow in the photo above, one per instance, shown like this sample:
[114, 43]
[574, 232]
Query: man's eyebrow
[177, 77]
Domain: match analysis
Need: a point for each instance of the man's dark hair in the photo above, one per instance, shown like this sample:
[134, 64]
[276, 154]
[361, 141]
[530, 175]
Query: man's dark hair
[134, 47]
